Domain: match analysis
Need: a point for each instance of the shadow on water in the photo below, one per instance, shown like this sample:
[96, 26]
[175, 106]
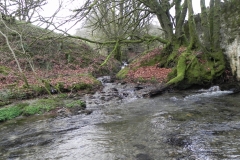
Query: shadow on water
[202, 124]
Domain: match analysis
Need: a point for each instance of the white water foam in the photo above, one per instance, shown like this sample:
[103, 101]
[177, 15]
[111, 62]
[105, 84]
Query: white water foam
[211, 92]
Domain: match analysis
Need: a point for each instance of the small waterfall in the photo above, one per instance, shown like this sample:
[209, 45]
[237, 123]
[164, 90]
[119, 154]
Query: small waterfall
[104, 79]
[213, 91]
[124, 64]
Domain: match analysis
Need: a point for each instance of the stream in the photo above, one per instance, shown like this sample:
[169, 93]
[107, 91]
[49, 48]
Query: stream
[185, 125]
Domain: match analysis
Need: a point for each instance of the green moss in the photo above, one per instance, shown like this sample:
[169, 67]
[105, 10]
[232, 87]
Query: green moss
[11, 112]
[172, 74]
[77, 103]
[202, 70]
[181, 67]
[40, 106]
[122, 73]
[151, 62]
[4, 70]
[81, 86]
[38, 89]
[172, 59]
[62, 95]
[142, 80]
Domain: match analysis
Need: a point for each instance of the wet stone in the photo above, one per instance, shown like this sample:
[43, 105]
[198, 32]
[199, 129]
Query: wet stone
[139, 146]
[178, 140]
[143, 156]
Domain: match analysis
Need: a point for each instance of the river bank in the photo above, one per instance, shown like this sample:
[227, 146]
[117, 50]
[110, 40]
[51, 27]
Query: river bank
[72, 103]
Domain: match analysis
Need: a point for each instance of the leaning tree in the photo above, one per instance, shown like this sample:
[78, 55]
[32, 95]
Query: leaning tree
[195, 59]
[22, 9]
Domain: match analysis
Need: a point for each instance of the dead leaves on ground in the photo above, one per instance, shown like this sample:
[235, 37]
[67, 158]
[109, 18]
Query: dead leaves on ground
[148, 73]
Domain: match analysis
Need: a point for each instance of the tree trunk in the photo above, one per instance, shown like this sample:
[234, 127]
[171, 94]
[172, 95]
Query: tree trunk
[205, 26]
[194, 42]
[180, 18]
[216, 26]
[201, 63]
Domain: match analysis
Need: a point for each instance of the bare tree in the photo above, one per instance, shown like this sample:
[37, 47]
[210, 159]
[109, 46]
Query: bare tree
[117, 23]
[22, 9]
[22, 75]
[177, 33]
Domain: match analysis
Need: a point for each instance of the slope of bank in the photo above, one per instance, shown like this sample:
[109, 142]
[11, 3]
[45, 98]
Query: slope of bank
[36, 62]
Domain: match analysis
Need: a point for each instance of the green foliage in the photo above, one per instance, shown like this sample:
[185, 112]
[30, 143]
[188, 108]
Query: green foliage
[59, 87]
[81, 86]
[38, 89]
[77, 103]
[122, 73]
[4, 70]
[11, 112]
[62, 95]
[40, 106]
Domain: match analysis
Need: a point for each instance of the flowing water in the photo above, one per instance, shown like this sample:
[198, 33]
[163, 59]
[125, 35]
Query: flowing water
[190, 125]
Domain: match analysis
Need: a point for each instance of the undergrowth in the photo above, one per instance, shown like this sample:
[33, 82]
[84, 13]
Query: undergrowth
[40, 106]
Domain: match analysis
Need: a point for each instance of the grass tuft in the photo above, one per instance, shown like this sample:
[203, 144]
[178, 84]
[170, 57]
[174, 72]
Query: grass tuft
[40, 106]
[11, 112]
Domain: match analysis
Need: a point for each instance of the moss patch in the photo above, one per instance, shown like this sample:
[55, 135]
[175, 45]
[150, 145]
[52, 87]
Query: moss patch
[200, 70]
[76, 103]
[181, 67]
[11, 112]
[122, 73]
[41, 106]
[4, 70]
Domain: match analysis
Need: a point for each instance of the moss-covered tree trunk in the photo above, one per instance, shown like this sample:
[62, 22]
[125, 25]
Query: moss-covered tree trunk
[204, 62]
[118, 52]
